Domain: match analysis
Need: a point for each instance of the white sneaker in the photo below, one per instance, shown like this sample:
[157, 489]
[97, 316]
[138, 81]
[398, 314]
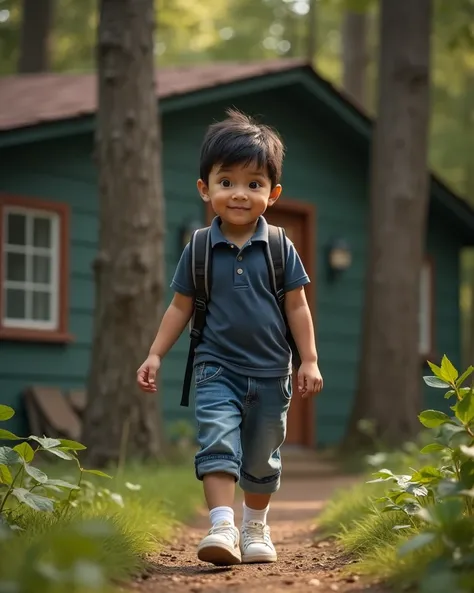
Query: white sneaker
[221, 545]
[256, 544]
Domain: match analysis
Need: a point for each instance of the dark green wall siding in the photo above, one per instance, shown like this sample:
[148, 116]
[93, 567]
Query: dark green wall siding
[326, 165]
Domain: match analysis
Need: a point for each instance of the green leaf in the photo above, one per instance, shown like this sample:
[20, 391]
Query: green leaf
[8, 436]
[433, 418]
[60, 453]
[467, 473]
[411, 508]
[131, 486]
[448, 488]
[61, 484]
[36, 474]
[448, 370]
[35, 501]
[46, 442]
[419, 541]
[73, 445]
[6, 412]
[452, 435]
[449, 394]
[467, 373]
[417, 490]
[432, 448]
[435, 382]
[468, 451]
[96, 472]
[9, 456]
[465, 408]
[25, 451]
[437, 372]
[5, 475]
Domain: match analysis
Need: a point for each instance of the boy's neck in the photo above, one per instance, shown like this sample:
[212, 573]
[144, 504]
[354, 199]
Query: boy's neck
[238, 234]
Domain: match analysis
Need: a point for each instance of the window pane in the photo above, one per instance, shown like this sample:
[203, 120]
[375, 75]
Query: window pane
[42, 232]
[16, 267]
[41, 306]
[15, 308]
[16, 227]
[42, 269]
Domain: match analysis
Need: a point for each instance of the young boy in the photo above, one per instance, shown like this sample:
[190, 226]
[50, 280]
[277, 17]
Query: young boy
[243, 362]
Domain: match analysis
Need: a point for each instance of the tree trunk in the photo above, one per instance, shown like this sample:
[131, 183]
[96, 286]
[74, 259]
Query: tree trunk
[389, 390]
[35, 36]
[355, 56]
[130, 264]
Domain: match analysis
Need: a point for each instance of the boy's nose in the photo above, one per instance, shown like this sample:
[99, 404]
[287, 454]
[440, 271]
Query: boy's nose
[239, 195]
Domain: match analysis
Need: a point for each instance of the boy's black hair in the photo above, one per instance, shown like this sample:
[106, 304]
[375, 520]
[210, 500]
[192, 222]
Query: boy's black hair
[239, 139]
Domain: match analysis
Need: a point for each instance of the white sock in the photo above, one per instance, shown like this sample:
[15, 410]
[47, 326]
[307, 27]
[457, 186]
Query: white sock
[219, 514]
[254, 515]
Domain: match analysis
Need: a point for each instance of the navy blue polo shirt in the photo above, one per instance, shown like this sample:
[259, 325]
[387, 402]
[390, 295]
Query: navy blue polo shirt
[245, 330]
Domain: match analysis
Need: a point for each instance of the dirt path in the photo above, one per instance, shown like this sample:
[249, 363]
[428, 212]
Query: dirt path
[303, 565]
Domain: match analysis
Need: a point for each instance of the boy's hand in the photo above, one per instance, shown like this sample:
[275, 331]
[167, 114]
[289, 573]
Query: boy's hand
[146, 374]
[310, 380]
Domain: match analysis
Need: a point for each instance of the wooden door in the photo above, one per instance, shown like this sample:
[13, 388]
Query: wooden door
[298, 221]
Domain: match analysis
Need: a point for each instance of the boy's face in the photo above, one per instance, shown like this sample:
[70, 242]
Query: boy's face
[239, 194]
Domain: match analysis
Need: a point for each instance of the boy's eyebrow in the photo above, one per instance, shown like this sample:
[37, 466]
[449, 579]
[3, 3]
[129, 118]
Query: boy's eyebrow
[260, 172]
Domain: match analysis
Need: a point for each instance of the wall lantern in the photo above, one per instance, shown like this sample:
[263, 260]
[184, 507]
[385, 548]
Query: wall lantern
[186, 230]
[339, 257]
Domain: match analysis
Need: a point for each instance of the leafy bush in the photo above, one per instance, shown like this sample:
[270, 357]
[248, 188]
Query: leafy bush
[437, 500]
[21, 483]
[61, 533]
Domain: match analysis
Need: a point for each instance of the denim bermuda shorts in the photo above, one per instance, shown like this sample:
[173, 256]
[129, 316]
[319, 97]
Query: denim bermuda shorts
[241, 426]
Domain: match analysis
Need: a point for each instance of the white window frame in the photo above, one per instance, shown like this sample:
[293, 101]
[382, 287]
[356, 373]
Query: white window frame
[426, 312]
[30, 250]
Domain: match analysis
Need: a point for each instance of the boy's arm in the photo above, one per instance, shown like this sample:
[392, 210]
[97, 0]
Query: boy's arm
[176, 316]
[174, 321]
[301, 323]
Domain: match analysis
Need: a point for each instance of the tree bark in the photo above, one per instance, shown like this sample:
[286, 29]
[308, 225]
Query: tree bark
[389, 389]
[355, 56]
[36, 24]
[130, 265]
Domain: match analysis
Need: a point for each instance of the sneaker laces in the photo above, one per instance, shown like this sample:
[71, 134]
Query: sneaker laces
[255, 532]
[226, 529]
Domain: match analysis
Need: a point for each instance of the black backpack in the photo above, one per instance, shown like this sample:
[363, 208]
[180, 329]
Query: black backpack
[201, 267]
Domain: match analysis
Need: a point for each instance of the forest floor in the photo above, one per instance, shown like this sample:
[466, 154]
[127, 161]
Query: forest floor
[305, 564]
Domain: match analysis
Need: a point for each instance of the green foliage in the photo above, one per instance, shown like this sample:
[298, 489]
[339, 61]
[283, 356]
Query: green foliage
[18, 477]
[61, 532]
[421, 526]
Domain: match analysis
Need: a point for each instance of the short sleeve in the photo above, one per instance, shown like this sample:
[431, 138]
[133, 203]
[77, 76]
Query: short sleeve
[295, 274]
[183, 279]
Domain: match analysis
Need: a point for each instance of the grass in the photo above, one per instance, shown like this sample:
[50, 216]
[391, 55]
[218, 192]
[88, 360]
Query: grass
[363, 531]
[116, 537]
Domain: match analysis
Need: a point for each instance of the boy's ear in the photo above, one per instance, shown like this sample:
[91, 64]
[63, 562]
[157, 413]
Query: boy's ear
[203, 190]
[276, 192]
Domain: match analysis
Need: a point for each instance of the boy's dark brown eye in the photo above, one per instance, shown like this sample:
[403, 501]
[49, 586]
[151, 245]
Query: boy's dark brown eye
[254, 185]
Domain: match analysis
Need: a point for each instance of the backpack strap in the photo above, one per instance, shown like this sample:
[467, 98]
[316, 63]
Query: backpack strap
[201, 261]
[276, 262]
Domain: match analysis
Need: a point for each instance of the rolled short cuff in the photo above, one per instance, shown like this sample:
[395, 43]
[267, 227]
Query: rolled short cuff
[253, 485]
[217, 463]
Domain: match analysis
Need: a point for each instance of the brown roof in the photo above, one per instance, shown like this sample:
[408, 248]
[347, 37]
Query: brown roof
[26, 100]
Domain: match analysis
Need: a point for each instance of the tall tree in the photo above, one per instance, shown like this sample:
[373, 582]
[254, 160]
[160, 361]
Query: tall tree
[355, 55]
[130, 263]
[35, 36]
[389, 389]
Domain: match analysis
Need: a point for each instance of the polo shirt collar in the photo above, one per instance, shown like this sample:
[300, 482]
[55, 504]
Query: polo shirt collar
[261, 232]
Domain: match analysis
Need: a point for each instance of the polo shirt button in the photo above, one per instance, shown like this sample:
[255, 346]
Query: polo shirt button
[240, 271]
[240, 258]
